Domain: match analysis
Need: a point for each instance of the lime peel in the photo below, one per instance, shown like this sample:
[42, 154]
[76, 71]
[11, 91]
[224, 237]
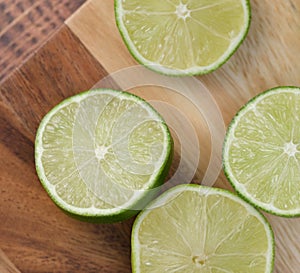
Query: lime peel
[58, 170]
[194, 228]
[146, 34]
[261, 152]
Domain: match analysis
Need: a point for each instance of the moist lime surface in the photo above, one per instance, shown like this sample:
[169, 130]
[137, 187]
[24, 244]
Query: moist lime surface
[99, 153]
[262, 151]
[192, 228]
[180, 37]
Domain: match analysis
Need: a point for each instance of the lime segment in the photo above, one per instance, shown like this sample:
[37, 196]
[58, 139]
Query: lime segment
[262, 151]
[192, 228]
[99, 153]
[182, 37]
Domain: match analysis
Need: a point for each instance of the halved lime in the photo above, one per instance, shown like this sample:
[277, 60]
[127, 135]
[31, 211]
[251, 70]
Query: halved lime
[182, 37]
[100, 152]
[193, 228]
[262, 151]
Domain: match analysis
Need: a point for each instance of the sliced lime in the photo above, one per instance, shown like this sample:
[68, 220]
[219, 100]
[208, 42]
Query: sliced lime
[192, 228]
[99, 153]
[180, 37]
[262, 151]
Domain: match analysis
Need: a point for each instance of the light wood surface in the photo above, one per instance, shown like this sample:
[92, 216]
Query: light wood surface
[34, 234]
[266, 59]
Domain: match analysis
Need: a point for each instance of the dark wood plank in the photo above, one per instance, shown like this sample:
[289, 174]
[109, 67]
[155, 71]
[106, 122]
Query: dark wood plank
[63, 66]
[6, 266]
[25, 25]
[34, 234]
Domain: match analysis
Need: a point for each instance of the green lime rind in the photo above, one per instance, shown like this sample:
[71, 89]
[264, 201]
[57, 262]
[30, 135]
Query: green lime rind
[226, 168]
[195, 187]
[121, 215]
[170, 71]
[104, 215]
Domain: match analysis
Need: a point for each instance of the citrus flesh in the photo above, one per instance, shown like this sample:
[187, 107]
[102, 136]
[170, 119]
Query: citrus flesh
[193, 228]
[99, 152]
[262, 151]
[180, 37]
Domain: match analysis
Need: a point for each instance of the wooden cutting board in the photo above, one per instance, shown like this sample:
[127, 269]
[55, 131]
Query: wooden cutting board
[34, 234]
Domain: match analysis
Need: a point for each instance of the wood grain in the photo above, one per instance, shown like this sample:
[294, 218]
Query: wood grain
[25, 25]
[34, 234]
[6, 266]
[266, 59]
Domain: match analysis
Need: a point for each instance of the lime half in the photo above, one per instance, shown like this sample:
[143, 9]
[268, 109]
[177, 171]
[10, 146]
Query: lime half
[192, 228]
[180, 37]
[99, 153]
[262, 151]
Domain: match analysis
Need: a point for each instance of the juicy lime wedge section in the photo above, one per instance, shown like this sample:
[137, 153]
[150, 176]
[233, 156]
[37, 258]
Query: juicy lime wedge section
[99, 153]
[262, 151]
[178, 37]
[192, 228]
